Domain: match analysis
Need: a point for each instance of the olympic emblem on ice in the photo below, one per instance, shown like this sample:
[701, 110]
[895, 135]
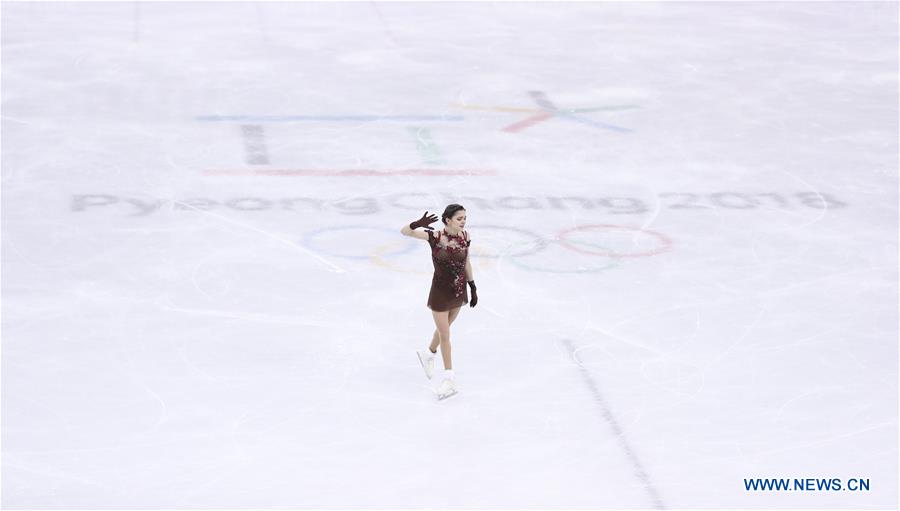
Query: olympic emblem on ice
[256, 147]
[547, 110]
[589, 248]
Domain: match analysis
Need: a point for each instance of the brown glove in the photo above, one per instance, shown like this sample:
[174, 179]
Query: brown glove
[425, 222]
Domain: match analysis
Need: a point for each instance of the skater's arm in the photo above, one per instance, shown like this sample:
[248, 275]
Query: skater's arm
[469, 275]
[406, 231]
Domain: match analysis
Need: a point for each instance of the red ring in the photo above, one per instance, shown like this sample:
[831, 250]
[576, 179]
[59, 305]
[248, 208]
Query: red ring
[666, 243]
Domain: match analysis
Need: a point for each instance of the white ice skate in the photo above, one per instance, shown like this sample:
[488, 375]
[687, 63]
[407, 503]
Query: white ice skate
[426, 358]
[447, 389]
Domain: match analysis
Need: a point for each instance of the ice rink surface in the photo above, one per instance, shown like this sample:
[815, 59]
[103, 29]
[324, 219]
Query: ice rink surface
[684, 225]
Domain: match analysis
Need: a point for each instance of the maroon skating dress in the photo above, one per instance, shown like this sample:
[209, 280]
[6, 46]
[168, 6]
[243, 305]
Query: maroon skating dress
[448, 286]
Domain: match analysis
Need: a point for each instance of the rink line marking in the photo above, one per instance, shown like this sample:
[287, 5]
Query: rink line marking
[332, 267]
[350, 172]
[617, 429]
[337, 118]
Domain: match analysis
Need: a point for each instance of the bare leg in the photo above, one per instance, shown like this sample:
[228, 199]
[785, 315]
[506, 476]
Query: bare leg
[436, 338]
[435, 341]
[442, 322]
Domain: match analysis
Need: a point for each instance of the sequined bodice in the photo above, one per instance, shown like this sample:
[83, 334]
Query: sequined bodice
[448, 254]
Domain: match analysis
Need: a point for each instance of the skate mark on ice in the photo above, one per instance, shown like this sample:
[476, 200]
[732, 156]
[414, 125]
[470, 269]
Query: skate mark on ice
[332, 267]
[617, 429]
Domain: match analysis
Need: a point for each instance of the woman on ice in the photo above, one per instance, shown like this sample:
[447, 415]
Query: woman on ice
[452, 270]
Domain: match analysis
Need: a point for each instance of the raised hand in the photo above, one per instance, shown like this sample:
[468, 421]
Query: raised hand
[425, 222]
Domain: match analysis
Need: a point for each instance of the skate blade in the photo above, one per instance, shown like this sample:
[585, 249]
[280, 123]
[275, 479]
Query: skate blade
[442, 397]
[424, 367]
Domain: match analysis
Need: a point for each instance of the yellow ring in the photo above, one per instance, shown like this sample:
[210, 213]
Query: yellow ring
[376, 259]
[379, 251]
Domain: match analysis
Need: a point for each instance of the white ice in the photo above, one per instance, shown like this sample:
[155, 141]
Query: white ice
[690, 281]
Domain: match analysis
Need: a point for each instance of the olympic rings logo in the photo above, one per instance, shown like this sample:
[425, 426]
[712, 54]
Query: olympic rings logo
[589, 248]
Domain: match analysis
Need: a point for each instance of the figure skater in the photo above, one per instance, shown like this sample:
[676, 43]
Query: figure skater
[452, 270]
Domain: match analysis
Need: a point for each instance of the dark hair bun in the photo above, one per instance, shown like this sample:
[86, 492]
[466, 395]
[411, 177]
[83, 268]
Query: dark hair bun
[451, 210]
